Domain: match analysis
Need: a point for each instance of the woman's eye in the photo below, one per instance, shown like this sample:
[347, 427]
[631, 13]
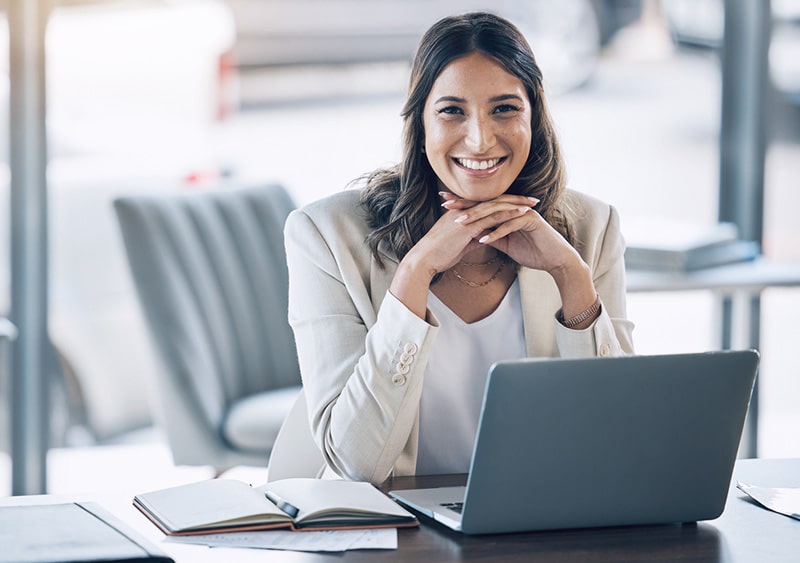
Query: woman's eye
[505, 108]
[451, 110]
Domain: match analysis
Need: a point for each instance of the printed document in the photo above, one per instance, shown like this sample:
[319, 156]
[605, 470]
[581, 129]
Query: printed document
[329, 540]
[784, 501]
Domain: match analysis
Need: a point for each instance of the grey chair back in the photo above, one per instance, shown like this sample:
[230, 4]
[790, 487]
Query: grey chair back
[211, 276]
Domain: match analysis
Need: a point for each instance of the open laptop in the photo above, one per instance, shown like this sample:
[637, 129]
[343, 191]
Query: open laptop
[577, 443]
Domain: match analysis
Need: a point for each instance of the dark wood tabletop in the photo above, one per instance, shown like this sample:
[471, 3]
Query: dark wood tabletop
[434, 542]
[744, 533]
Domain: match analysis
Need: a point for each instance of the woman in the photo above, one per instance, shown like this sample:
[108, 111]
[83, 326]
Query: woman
[470, 251]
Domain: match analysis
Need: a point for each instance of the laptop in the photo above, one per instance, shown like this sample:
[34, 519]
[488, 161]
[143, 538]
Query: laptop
[595, 442]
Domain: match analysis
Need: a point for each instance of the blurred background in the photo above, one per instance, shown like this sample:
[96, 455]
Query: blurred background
[157, 95]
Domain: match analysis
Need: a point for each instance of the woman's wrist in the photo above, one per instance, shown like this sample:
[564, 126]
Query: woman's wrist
[582, 319]
[411, 283]
[577, 290]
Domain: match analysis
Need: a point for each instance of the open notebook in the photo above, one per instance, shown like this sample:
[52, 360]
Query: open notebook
[600, 442]
[227, 505]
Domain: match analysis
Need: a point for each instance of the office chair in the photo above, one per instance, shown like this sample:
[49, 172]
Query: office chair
[210, 272]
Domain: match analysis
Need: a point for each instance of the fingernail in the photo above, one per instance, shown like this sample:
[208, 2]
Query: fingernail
[524, 210]
[461, 218]
[483, 239]
[533, 199]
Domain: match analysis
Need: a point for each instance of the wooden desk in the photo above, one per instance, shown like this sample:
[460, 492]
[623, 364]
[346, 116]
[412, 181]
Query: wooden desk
[744, 533]
[737, 289]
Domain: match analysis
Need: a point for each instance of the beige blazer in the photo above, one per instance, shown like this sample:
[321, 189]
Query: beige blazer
[363, 354]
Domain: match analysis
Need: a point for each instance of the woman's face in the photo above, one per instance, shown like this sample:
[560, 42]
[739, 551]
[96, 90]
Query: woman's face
[477, 121]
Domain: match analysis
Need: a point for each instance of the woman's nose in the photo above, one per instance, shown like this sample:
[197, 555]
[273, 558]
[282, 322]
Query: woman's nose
[480, 136]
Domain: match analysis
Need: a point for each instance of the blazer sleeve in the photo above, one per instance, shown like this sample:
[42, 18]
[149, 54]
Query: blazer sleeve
[611, 333]
[362, 369]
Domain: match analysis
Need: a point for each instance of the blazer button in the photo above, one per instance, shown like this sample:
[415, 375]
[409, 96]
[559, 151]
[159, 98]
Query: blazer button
[406, 358]
[605, 350]
[410, 348]
[402, 368]
[399, 379]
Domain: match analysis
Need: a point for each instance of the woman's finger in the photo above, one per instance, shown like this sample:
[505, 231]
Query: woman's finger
[494, 211]
[450, 199]
[458, 204]
[526, 223]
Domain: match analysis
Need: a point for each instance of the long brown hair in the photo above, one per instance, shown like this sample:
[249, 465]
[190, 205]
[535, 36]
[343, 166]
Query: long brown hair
[402, 202]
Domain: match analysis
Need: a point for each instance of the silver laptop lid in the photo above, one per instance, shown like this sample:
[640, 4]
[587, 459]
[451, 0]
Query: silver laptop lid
[607, 441]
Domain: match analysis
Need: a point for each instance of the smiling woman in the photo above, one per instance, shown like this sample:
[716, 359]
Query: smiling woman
[475, 252]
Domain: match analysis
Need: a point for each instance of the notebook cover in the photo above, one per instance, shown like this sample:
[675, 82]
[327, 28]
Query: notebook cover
[71, 532]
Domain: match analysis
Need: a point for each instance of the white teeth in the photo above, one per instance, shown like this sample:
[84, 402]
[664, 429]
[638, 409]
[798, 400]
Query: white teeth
[478, 164]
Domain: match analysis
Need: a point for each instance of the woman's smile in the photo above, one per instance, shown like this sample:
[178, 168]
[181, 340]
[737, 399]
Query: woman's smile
[489, 165]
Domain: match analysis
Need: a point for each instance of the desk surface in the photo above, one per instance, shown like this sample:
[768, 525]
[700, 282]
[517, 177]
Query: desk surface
[744, 533]
[751, 276]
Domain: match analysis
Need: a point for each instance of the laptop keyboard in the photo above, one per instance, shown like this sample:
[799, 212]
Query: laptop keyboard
[454, 506]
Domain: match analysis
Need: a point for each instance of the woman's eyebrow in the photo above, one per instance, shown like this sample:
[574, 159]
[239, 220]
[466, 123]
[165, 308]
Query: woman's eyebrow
[493, 99]
[504, 97]
[450, 99]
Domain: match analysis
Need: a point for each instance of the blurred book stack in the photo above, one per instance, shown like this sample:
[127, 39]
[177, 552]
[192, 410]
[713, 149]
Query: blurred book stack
[676, 247]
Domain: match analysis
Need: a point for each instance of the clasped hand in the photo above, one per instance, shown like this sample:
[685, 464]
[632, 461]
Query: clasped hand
[511, 225]
[508, 223]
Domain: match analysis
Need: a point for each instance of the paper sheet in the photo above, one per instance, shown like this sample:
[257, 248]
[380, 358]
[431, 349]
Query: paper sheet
[336, 540]
[784, 501]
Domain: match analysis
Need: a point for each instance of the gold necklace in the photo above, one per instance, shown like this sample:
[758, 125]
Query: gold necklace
[476, 264]
[471, 283]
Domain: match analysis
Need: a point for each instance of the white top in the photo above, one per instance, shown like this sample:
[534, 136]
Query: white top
[455, 380]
